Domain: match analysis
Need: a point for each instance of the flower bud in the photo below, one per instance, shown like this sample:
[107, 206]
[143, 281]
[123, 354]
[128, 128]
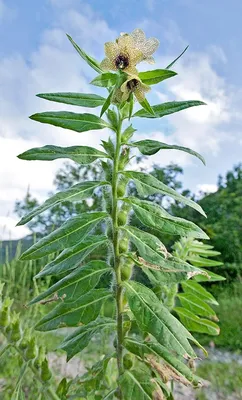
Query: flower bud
[123, 245]
[122, 217]
[30, 351]
[15, 334]
[128, 361]
[45, 371]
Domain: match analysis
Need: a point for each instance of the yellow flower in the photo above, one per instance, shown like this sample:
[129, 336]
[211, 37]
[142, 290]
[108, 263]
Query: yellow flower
[146, 46]
[122, 55]
[134, 85]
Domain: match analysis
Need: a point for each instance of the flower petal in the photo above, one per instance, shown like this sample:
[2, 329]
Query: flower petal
[136, 56]
[139, 94]
[107, 64]
[150, 46]
[111, 49]
[138, 35]
[125, 43]
[131, 70]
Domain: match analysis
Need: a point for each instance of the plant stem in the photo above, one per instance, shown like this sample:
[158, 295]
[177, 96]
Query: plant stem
[119, 306]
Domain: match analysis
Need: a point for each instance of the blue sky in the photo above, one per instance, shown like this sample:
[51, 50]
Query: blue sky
[35, 56]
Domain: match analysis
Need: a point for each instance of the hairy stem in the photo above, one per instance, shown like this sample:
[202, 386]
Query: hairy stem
[119, 306]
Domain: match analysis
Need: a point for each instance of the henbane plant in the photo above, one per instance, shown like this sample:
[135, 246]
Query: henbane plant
[147, 336]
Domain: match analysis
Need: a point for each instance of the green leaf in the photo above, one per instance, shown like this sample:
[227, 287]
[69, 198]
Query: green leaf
[107, 103]
[90, 60]
[137, 384]
[203, 262]
[72, 257]
[72, 231]
[155, 76]
[69, 120]
[147, 107]
[158, 260]
[154, 318]
[127, 134]
[94, 377]
[77, 192]
[110, 395]
[147, 185]
[150, 347]
[197, 306]
[149, 147]
[196, 289]
[75, 99]
[81, 337]
[73, 312]
[79, 281]
[154, 216]
[107, 79]
[211, 277]
[202, 250]
[196, 324]
[176, 59]
[80, 154]
[160, 110]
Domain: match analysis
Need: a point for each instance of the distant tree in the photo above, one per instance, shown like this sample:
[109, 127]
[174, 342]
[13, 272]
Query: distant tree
[69, 175]
[224, 215]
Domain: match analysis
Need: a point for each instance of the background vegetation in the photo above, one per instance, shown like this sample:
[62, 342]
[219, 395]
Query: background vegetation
[223, 225]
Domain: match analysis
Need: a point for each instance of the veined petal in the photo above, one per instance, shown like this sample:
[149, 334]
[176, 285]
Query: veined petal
[138, 35]
[111, 49]
[107, 64]
[150, 60]
[131, 70]
[136, 56]
[125, 43]
[151, 46]
[139, 94]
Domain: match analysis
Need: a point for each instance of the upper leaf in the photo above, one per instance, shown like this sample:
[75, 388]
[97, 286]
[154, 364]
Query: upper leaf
[160, 110]
[73, 312]
[157, 257]
[72, 257]
[154, 318]
[203, 262]
[72, 231]
[176, 59]
[156, 76]
[80, 281]
[154, 216]
[75, 99]
[81, 337]
[77, 192]
[149, 147]
[69, 120]
[90, 60]
[80, 154]
[107, 79]
[196, 305]
[196, 289]
[196, 324]
[147, 185]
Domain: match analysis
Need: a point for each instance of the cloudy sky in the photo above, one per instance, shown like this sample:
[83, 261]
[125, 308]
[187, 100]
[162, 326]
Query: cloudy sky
[35, 57]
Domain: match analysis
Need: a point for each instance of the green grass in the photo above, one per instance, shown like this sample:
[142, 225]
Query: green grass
[225, 379]
[230, 318]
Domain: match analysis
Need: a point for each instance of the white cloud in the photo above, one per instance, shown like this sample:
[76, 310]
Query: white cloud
[206, 188]
[9, 231]
[55, 66]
